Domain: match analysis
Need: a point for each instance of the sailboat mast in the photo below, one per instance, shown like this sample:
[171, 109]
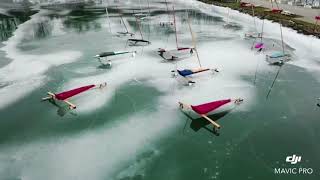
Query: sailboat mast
[140, 6]
[254, 18]
[175, 26]
[262, 30]
[149, 7]
[167, 5]
[315, 24]
[108, 20]
[273, 82]
[281, 38]
[124, 24]
[194, 41]
[167, 9]
[138, 24]
[228, 16]
[277, 4]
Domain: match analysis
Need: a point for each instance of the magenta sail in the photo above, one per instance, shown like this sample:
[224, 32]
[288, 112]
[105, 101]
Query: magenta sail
[259, 46]
[67, 94]
[208, 107]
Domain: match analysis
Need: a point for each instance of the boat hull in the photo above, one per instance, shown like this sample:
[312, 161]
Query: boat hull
[278, 60]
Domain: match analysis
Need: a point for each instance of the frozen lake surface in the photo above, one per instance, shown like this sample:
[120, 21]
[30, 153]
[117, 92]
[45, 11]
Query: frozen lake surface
[134, 129]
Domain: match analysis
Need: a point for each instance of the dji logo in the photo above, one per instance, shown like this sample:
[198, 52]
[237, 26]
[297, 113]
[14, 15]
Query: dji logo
[293, 159]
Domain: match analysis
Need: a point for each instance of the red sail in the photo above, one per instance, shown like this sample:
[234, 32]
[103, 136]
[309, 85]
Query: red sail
[276, 10]
[67, 94]
[206, 108]
[183, 48]
[245, 4]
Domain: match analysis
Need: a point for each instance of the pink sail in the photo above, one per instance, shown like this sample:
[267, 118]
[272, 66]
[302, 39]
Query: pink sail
[67, 94]
[206, 108]
[259, 46]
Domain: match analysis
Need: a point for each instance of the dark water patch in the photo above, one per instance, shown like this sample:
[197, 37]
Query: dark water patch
[232, 26]
[82, 20]
[74, 5]
[185, 156]
[22, 14]
[4, 16]
[204, 36]
[163, 2]
[4, 84]
[251, 143]
[135, 177]
[87, 12]
[199, 123]
[135, 170]
[43, 121]
[43, 29]
[8, 24]
[4, 60]
[27, 47]
[198, 16]
[81, 24]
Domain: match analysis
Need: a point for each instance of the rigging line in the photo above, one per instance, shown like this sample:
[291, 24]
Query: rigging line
[122, 21]
[254, 18]
[281, 38]
[255, 75]
[138, 24]
[253, 43]
[262, 29]
[167, 40]
[273, 82]
[185, 125]
[167, 5]
[175, 26]
[131, 100]
[149, 32]
[228, 16]
[90, 124]
[140, 6]
[108, 20]
[276, 4]
[315, 29]
[149, 7]
[315, 26]
[194, 42]
[124, 24]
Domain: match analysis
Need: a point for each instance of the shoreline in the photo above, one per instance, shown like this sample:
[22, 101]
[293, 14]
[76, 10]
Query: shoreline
[291, 21]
